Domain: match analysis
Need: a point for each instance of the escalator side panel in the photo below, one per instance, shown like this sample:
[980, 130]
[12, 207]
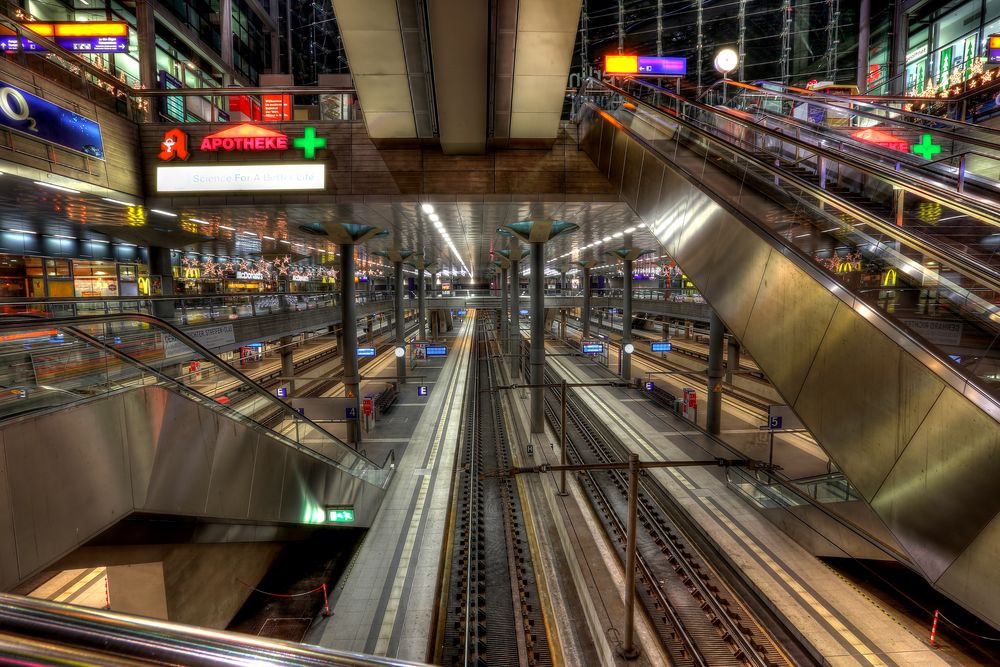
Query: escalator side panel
[888, 414]
[70, 474]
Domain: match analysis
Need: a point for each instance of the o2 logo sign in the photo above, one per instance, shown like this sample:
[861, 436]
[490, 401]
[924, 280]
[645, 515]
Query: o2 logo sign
[15, 107]
[32, 116]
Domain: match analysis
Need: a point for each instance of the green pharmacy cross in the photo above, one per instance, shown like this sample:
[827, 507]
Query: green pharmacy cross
[309, 142]
[926, 148]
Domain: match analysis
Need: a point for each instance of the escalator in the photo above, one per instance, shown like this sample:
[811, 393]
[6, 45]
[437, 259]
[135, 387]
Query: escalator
[105, 418]
[882, 337]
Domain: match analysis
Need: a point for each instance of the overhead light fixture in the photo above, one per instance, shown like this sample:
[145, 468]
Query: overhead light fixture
[22, 231]
[285, 241]
[726, 61]
[426, 208]
[269, 238]
[434, 217]
[98, 241]
[251, 234]
[162, 212]
[232, 229]
[63, 236]
[57, 187]
[117, 201]
[200, 222]
[630, 230]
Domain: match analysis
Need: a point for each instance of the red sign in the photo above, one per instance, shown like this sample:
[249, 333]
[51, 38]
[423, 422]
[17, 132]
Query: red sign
[277, 107]
[173, 146]
[245, 105]
[245, 137]
[870, 135]
[367, 406]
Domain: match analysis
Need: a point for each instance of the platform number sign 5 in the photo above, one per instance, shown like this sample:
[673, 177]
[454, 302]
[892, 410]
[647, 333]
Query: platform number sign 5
[15, 107]
[774, 422]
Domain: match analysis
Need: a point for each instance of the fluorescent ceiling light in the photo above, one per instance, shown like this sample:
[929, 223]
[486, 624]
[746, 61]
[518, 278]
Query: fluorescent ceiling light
[285, 241]
[63, 236]
[269, 238]
[117, 201]
[251, 234]
[426, 208]
[200, 222]
[57, 187]
[434, 217]
[22, 231]
[630, 230]
[162, 212]
[232, 229]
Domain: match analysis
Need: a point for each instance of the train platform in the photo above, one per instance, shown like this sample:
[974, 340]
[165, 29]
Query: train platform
[842, 626]
[387, 599]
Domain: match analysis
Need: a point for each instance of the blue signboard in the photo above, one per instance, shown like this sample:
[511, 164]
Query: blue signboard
[650, 386]
[774, 422]
[28, 114]
[422, 390]
[593, 348]
[282, 392]
[351, 414]
[79, 44]
[661, 346]
[523, 311]
[652, 66]
[437, 351]
[366, 351]
[172, 107]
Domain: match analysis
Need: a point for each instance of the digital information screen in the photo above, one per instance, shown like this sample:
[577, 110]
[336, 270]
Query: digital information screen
[593, 348]
[437, 351]
[661, 346]
[645, 65]
[366, 351]
[82, 37]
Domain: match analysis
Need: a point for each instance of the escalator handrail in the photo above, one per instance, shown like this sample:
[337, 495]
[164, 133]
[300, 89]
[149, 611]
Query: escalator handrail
[966, 385]
[864, 100]
[840, 108]
[971, 206]
[151, 641]
[71, 322]
[972, 268]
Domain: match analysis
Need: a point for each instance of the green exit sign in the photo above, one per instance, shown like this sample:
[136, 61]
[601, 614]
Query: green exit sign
[340, 515]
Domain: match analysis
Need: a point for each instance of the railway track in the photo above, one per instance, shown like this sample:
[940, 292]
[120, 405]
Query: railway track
[493, 615]
[699, 616]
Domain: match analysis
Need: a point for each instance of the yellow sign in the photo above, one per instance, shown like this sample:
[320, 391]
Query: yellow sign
[144, 285]
[889, 280]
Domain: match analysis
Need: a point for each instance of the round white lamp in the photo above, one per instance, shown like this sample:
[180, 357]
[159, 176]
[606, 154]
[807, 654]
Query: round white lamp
[629, 348]
[400, 352]
[726, 61]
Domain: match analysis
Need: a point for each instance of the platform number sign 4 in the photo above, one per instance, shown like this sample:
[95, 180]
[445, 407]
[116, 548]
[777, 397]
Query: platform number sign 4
[774, 422]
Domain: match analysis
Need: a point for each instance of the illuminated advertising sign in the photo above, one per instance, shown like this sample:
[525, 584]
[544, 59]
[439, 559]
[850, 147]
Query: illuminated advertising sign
[173, 146]
[993, 50]
[245, 137]
[276, 107]
[241, 177]
[30, 115]
[82, 37]
[592, 347]
[870, 135]
[645, 65]
[661, 346]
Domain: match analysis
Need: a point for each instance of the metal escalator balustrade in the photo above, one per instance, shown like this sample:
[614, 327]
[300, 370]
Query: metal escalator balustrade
[53, 365]
[39, 632]
[945, 297]
[955, 154]
[897, 382]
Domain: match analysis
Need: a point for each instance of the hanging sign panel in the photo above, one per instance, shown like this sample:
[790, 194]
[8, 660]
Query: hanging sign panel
[79, 36]
[28, 114]
[645, 65]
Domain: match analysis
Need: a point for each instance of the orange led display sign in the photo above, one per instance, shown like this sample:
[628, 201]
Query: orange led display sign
[621, 64]
[80, 36]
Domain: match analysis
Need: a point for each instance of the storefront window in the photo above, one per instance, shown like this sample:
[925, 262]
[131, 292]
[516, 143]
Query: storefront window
[95, 279]
[13, 279]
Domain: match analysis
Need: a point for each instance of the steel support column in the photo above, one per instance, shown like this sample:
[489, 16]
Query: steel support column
[586, 305]
[515, 320]
[626, 359]
[288, 364]
[400, 328]
[422, 303]
[537, 355]
[732, 358]
[713, 416]
[349, 352]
